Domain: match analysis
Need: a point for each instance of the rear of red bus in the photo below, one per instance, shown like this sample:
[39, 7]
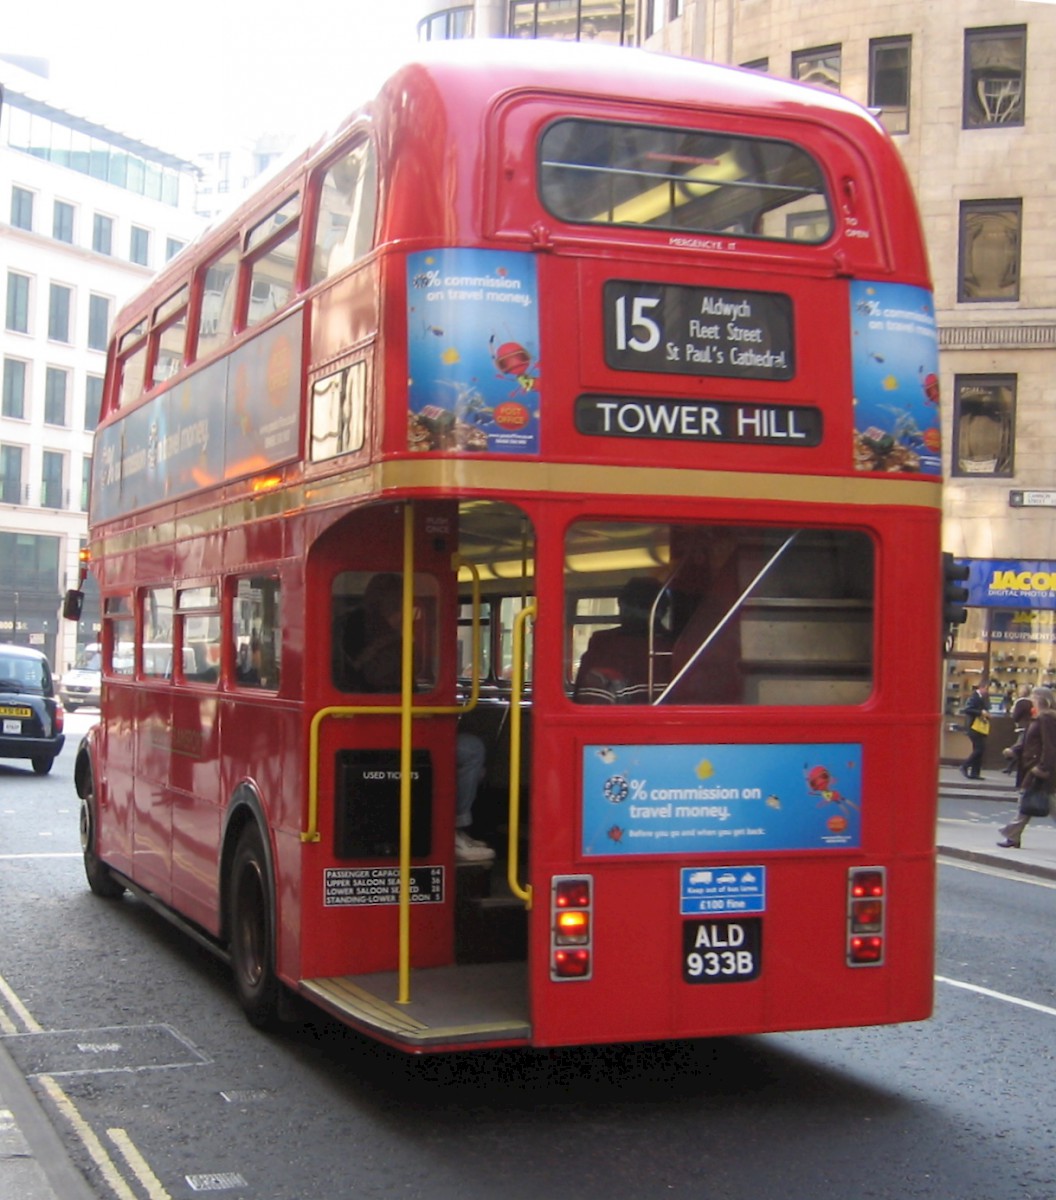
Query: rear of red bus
[749, 846]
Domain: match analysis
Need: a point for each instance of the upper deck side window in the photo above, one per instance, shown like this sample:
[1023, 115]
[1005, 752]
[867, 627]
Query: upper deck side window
[615, 173]
[271, 248]
[168, 336]
[348, 202]
[132, 362]
[216, 308]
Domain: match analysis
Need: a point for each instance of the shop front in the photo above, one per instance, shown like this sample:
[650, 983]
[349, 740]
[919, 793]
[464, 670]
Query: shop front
[1010, 637]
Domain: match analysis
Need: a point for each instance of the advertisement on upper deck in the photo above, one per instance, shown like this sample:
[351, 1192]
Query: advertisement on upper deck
[238, 416]
[697, 799]
[895, 356]
[474, 380]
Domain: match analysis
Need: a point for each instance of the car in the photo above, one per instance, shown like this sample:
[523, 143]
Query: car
[82, 682]
[31, 716]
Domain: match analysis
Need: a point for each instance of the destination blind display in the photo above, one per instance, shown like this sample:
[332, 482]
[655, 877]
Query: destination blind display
[751, 423]
[698, 331]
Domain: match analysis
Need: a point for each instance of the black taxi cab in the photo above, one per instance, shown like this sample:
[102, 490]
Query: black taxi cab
[31, 718]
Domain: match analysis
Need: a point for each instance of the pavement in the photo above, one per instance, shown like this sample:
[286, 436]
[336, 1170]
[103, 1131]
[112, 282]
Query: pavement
[34, 1163]
[971, 813]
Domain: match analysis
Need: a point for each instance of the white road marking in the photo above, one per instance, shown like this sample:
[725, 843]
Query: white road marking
[983, 991]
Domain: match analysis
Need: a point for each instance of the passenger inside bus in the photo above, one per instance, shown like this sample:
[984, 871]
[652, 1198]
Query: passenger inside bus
[624, 665]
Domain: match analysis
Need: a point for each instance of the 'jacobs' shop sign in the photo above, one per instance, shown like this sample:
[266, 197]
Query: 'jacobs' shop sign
[699, 420]
[1011, 583]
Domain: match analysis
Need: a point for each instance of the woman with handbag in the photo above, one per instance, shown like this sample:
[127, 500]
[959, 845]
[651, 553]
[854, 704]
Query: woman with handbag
[977, 711]
[1037, 767]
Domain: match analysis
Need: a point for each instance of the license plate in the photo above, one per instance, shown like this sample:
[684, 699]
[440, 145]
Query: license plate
[10, 710]
[12, 726]
[722, 951]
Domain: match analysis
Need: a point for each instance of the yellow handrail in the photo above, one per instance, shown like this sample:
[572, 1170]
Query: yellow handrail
[516, 690]
[403, 991]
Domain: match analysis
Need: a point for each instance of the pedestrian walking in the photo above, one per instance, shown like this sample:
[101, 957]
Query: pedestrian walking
[977, 712]
[1036, 776]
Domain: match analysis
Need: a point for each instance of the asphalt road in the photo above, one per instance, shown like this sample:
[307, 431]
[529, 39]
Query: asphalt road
[133, 1045]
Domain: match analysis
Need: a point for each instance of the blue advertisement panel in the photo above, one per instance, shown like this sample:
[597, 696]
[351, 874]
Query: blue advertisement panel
[895, 364]
[474, 380]
[700, 799]
[237, 416]
[1011, 583]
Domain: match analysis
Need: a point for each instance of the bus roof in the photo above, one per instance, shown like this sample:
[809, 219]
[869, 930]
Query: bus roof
[462, 80]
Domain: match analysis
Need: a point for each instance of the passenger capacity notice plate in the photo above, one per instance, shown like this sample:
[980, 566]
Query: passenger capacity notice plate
[362, 886]
[722, 951]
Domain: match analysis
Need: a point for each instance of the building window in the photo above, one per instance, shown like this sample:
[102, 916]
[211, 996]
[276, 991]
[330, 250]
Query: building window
[990, 246]
[16, 317]
[86, 482]
[11, 474]
[139, 249]
[56, 383]
[761, 65]
[819, 65]
[14, 389]
[448, 25]
[995, 65]
[659, 12]
[93, 152]
[59, 312]
[62, 222]
[93, 401]
[889, 81]
[103, 234]
[98, 322]
[610, 21]
[172, 247]
[984, 422]
[51, 480]
[21, 208]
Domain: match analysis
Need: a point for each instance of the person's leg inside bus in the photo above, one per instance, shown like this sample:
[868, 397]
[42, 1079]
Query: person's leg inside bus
[469, 771]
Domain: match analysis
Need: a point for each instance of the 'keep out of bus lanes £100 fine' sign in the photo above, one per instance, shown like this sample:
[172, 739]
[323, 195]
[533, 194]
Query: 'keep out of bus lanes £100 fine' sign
[717, 799]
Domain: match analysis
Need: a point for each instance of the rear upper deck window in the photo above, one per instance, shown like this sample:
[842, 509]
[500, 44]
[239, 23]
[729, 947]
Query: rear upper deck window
[605, 173]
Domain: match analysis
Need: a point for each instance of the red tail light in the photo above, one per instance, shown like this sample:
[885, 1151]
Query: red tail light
[571, 927]
[866, 903]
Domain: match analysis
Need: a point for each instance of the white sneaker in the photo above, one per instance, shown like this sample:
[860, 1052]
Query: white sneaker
[469, 850]
[468, 839]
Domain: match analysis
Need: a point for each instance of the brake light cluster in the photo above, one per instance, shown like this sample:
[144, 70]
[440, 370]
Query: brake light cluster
[571, 927]
[866, 901]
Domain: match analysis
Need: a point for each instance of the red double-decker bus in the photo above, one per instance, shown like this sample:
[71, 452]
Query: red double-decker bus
[517, 529]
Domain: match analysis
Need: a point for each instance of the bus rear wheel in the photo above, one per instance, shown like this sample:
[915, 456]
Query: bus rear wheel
[101, 882]
[252, 940]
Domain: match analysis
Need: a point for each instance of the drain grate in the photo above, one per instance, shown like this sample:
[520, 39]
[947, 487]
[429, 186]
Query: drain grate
[220, 1181]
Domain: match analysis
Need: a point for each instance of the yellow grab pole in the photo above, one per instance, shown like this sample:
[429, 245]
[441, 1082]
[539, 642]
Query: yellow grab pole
[516, 690]
[403, 995]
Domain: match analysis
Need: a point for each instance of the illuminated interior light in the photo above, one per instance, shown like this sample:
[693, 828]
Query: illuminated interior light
[673, 193]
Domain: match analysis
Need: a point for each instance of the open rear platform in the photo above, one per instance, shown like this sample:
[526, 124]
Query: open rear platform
[476, 1004]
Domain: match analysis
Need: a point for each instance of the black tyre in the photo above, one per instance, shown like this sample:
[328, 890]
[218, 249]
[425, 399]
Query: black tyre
[42, 763]
[252, 931]
[96, 872]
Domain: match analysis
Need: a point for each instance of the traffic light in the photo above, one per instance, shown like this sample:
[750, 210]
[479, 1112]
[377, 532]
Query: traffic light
[954, 592]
